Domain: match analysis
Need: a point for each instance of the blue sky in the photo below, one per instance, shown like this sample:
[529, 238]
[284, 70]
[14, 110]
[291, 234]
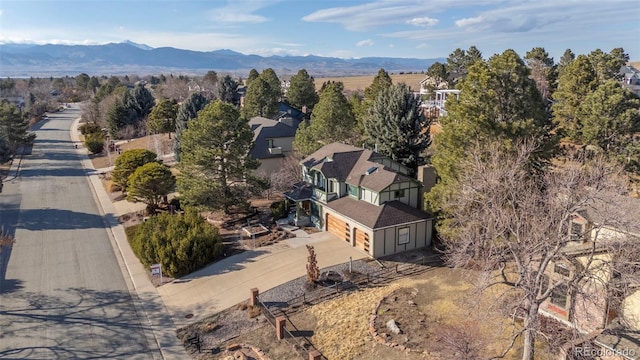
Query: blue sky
[341, 28]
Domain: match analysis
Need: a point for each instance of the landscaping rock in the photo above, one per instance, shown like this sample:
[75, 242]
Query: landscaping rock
[393, 327]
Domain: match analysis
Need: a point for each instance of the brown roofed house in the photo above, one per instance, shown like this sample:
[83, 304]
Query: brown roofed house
[363, 198]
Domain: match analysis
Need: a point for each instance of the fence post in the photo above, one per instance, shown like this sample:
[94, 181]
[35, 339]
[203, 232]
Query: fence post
[315, 355]
[254, 297]
[280, 323]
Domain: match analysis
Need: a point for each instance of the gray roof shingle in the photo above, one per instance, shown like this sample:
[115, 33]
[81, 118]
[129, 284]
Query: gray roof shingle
[374, 217]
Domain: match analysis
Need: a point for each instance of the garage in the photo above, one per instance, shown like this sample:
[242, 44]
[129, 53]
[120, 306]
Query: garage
[338, 228]
[362, 240]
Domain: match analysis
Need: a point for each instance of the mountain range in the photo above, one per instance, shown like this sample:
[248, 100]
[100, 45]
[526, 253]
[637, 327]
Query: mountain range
[23, 60]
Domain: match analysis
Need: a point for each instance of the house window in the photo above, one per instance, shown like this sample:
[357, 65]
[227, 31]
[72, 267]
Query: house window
[353, 191]
[559, 296]
[403, 236]
[577, 231]
[319, 181]
[544, 284]
[331, 186]
[398, 194]
[270, 143]
[561, 269]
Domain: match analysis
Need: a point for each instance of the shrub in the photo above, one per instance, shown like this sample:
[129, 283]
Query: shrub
[181, 243]
[128, 162]
[278, 209]
[89, 128]
[94, 142]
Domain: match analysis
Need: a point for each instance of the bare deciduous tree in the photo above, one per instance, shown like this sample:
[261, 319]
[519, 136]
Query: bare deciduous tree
[512, 224]
[313, 272]
[283, 179]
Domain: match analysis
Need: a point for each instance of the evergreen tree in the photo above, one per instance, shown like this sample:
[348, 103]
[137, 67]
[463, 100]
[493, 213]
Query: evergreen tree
[577, 80]
[609, 117]
[150, 183]
[162, 118]
[15, 126]
[438, 74]
[253, 74]
[302, 91]
[543, 71]
[116, 118]
[259, 100]
[567, 57]
[182, 244]
[228, 90]
[186, 111]
[127, 163]
[5, 149]
[498, 102]
[459, 62]
[332, 120]
[397, 127]
[275, 86]
[607, 65]
[216, 170]
[380, 82]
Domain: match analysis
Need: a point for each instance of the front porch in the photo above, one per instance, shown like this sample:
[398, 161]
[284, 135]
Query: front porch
[302, 210]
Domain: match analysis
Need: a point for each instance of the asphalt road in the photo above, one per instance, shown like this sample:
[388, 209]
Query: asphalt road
[62, 293]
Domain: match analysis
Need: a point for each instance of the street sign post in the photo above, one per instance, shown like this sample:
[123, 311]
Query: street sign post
[156, 269]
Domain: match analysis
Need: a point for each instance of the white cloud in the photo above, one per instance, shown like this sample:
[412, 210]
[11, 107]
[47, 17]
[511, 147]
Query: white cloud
[423, 21]
[469, 21]
[369, 15]
[367, 42]
[240, 12]
[422, 46]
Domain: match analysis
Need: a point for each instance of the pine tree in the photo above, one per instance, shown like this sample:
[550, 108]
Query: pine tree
[15, 126]
[215, 169]
[228, 90]
[302, 91]
[150, 183]
[186, 111]
[162, 118]
[380, 82]
[577, 80]
[332, 120]
[498, 102]
[259, 100]
[397, 127]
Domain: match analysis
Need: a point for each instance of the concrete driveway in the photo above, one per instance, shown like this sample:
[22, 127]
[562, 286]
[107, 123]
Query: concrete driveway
[229, 281]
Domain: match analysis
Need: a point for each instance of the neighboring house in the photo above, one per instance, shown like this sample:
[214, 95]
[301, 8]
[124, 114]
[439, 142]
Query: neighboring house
[630, 78]
[595, 307]
[290, 115]
[272, 142]
[437, 106]
[363, 198]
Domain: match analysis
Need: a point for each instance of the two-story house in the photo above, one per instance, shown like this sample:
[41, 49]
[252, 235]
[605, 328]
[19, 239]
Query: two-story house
[363, 198]
[272, 142]
[599, 304]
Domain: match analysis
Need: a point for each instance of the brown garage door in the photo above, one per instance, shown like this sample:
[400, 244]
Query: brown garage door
[362, 240]
[338, 228]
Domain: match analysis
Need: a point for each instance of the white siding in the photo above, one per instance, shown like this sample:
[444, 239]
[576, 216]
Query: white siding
[369, 196]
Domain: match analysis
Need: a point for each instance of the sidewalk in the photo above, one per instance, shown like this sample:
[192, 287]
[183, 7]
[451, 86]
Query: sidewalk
[163, 330]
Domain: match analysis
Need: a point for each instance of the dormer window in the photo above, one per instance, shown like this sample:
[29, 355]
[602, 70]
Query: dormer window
[270, 143]
[576, 231]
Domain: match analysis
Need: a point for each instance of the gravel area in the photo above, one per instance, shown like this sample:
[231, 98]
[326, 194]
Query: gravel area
[280, 295]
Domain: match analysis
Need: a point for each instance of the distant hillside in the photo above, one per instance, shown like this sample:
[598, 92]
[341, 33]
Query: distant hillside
[19, 60]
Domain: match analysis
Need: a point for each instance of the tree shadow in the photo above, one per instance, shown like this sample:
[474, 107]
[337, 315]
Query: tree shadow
[76, 323]
[59, 219]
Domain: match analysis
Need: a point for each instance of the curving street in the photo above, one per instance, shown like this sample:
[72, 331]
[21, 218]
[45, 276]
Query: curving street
[62, 290]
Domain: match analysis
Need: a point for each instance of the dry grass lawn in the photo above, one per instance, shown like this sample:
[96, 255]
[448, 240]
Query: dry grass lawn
[446, 301]
[159, 144]
[355, 83]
